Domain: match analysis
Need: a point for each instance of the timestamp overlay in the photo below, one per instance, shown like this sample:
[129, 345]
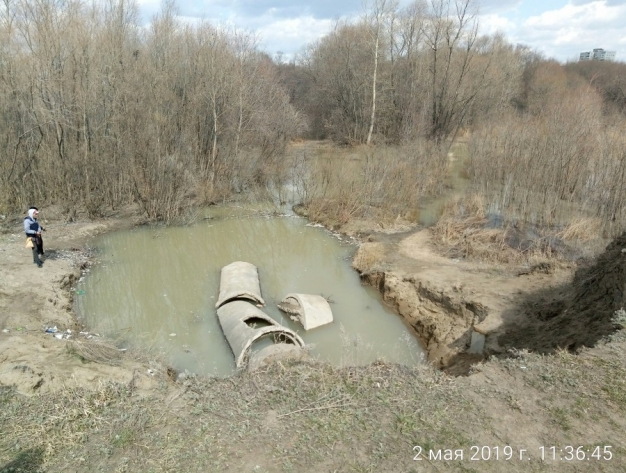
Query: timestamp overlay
[547, 453]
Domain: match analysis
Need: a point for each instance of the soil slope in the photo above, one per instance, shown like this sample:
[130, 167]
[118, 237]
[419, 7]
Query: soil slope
[448, 301]
[34, 299]
[67, 408]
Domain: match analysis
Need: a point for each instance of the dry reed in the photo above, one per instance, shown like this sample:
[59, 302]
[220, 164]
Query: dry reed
[368, 256]
[97, 352]
[464, 231]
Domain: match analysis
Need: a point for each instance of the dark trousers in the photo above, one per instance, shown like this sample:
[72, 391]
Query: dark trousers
[37, 248]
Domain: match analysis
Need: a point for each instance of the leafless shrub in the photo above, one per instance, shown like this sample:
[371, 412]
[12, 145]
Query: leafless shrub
[379, 183]
[560, 163]
[160, 186]
[98, 352]
[368, 255]
[97, 112]
[465, 231]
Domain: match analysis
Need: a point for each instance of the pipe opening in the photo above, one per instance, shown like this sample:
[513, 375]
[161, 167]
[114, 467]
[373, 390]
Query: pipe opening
[267, 340]
[243, 298]
[256, 322]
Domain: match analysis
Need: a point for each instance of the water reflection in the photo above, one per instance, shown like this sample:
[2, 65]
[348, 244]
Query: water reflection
[158, 287]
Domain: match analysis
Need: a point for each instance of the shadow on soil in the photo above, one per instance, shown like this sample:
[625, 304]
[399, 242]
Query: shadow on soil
[27, 461]
[573, 315]
[567, 317]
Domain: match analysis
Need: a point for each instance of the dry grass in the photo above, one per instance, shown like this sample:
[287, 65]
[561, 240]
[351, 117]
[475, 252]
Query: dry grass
[582, 229]
[464, 231]
[469, 239]
[98, 352]
[287, 417]
[379, 184]
[308, 416]
[368, 256]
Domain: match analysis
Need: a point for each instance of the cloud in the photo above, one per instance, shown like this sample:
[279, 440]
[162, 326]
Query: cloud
[560, 32]
[577, 27]
[289, 35]
[287, 8]
[563, 33]
[497, 6]
[610, 3]
[590, 16]
[493, 23]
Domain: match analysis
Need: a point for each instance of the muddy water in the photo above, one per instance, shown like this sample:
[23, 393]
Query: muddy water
[455, 185]
[157, 287]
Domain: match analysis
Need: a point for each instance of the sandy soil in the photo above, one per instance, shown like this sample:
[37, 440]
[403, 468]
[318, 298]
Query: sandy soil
[447, 300]
[466, 311]
[63, 409]
[34, 299]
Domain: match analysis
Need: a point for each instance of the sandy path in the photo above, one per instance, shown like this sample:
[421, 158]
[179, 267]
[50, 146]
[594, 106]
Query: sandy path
[33, 299]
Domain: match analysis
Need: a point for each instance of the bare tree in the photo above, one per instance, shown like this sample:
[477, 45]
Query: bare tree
[340, 66]
[407, 74]
[104, 112]
[381, 10]
[450, 35]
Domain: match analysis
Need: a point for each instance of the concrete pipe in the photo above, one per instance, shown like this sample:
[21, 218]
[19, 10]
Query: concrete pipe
[243, 324]
[239, 280]
[310, 310]
[276, 352]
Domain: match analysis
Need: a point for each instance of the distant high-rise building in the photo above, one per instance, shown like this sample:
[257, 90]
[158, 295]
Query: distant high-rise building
[598, 54]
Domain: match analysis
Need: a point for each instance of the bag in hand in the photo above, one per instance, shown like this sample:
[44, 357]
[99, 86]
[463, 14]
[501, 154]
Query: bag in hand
[29, 242]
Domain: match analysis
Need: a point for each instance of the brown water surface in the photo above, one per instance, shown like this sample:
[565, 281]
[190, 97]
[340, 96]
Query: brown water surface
[157, 287]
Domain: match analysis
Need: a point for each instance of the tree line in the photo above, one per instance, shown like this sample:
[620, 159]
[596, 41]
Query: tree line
[398, 74]
[546, 140]
[96, 111]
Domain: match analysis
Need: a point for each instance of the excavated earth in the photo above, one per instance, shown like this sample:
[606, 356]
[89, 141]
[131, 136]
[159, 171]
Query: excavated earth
[33, 300]
[557, 380]
[448, 301]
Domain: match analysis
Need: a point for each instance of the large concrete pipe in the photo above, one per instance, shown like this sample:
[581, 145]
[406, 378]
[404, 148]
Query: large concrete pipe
[239, 280]
[310, 310]
[243, 324]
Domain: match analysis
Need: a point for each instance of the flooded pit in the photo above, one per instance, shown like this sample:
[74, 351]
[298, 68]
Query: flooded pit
[157, 288]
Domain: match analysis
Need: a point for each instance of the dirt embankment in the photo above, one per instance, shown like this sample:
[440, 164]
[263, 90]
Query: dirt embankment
[34, 299]
[464, 311]
[574, 315]
[443, 319]
[61, 410]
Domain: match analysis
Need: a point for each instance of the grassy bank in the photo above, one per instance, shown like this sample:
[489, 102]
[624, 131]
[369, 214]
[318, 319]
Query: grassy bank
[307, 416]
[311, 417]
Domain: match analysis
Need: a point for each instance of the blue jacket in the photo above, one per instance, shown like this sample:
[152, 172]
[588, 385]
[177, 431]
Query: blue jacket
[31, 226]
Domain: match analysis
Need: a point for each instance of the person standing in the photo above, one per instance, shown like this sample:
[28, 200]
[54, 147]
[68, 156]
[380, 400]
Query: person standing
[33, 230]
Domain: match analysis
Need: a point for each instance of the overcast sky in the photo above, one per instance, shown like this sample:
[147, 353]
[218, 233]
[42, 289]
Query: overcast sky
[559, 29]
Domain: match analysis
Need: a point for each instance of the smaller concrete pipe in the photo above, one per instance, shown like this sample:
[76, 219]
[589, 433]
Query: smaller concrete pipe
[239, 280]
[243, 324]
[310, 310]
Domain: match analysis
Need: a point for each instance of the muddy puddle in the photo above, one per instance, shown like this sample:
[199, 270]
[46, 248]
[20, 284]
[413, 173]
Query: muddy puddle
[455, 185]
[157, 288]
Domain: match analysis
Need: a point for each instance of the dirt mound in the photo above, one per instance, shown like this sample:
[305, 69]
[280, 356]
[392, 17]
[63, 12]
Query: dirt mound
[576, 315]
[599, 291]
